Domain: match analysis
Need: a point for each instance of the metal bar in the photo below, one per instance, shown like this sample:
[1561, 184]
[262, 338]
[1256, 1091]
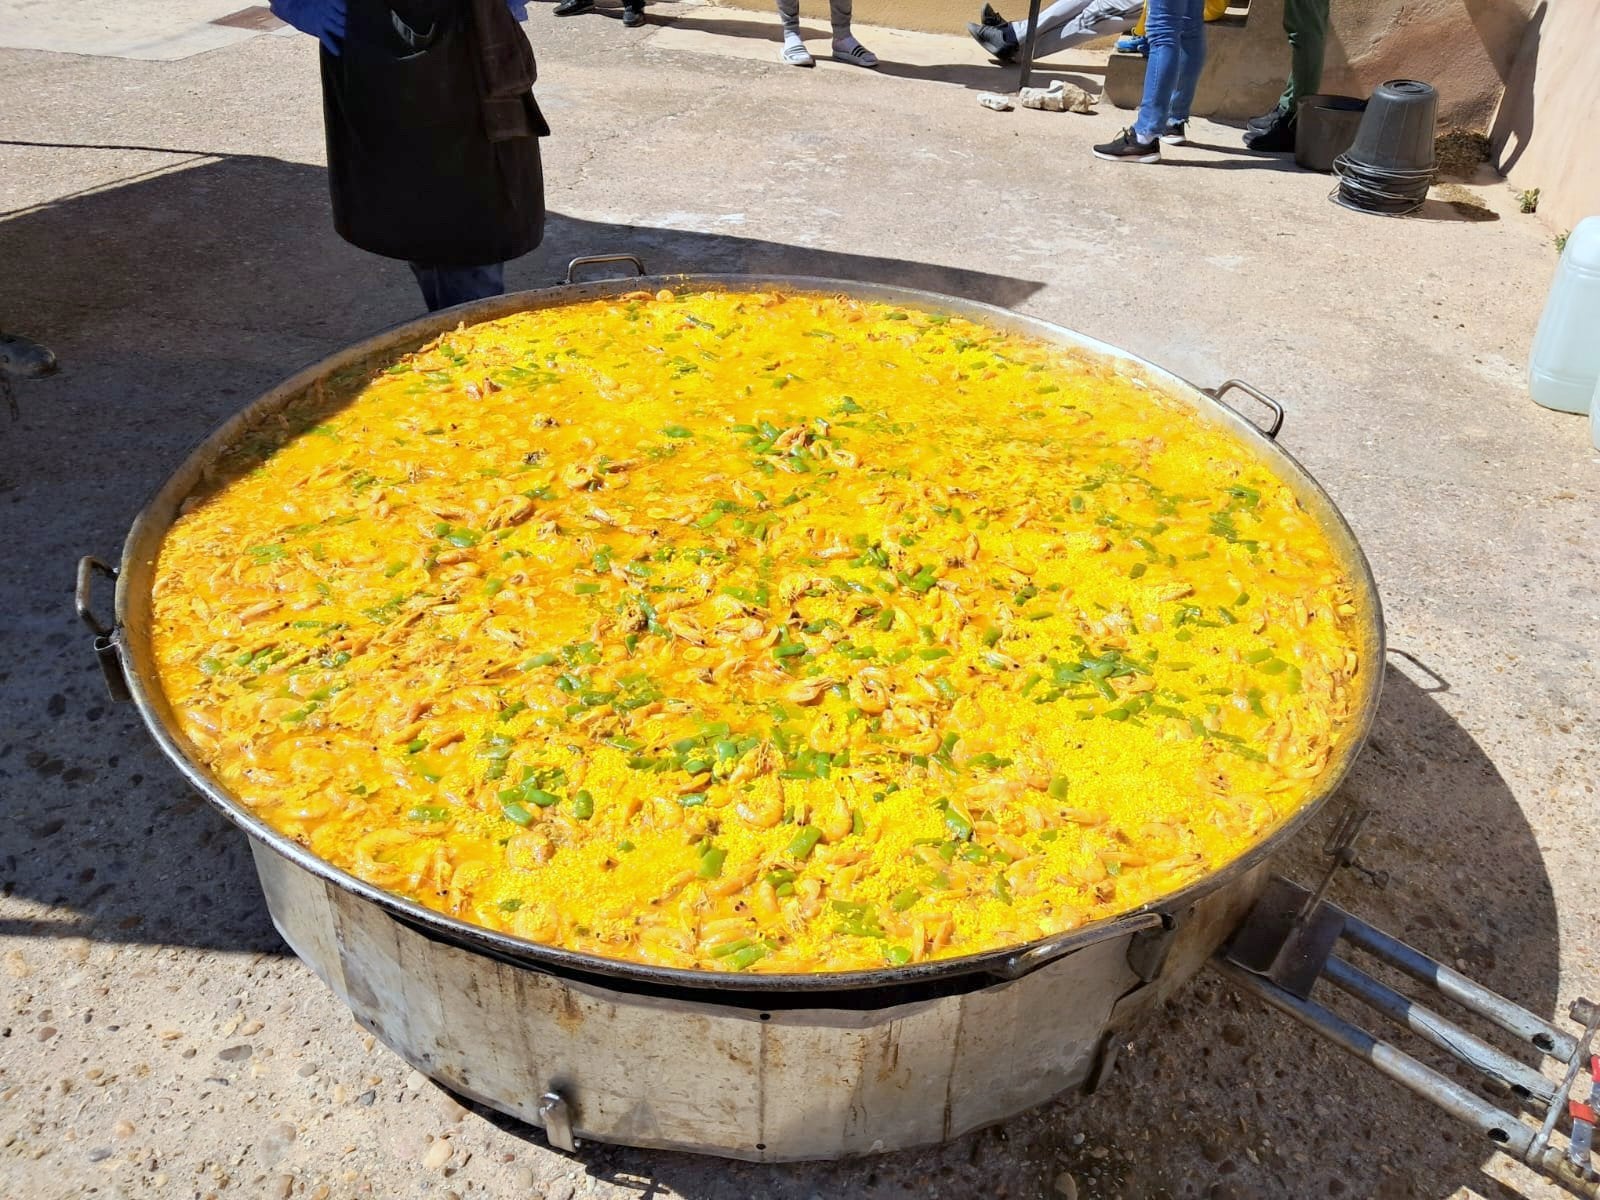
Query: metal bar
[1578, 1061]
[1474, 997]
[1449, 1037]
[1494, 1123]
[1497, 1125]
[1030, 42]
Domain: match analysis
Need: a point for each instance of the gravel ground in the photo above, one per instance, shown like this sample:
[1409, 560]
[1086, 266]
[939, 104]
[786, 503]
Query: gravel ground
[165, 230]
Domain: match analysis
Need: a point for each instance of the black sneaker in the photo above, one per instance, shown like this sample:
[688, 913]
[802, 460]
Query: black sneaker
[1265, 119]
[1126, 148]
[632, 17]
[1275, 137]
[999, 40]
[1175, 134]
[991, 18]
[571, 8]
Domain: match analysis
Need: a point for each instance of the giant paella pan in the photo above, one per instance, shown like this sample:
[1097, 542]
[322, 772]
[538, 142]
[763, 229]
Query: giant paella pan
[779, 717]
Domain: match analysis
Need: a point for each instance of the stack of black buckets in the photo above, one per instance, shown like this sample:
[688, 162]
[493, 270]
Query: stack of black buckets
[1381, 149]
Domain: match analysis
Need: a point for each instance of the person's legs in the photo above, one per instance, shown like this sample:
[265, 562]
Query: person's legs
[1191, 60]
[1306, 24]
[794, 48]
[443, 287]
[1054, 17]
[1087, 21]
[845, 46]
[1163, 25]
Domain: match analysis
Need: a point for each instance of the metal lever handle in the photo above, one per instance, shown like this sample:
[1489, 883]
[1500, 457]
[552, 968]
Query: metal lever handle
[1260, 397]
[590, 260]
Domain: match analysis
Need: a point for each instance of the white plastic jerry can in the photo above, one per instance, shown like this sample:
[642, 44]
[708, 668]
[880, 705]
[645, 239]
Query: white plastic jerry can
[1565, 362]
[1594, 415]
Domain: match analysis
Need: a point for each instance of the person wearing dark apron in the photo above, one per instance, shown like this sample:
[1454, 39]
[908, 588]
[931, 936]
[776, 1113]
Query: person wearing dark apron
[433, 136]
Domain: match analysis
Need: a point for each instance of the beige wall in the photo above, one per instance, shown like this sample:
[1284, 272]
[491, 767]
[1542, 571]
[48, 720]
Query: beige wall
[1465, 48]
[1545, 131]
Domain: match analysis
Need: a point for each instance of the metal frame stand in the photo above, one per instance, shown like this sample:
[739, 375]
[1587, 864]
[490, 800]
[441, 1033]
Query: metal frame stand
[1288, 943]
[1029, 44]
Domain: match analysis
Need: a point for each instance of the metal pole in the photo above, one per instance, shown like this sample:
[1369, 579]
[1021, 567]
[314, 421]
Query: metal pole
[1498, 1126]
[1495, 1124]
[1491, 1006]
[1449, 1037]
[1030, 42]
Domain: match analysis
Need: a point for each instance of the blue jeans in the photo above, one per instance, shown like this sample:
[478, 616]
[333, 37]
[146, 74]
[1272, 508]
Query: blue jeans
[1177, 33]
[446, 286]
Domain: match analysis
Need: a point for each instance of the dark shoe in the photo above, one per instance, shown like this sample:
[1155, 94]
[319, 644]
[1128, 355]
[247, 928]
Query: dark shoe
[991, 18]
[1265, 119]
[1126, 148]
[1276, 137]
[998, 40]
[632, 18]
[1175, 134]
[571, 8]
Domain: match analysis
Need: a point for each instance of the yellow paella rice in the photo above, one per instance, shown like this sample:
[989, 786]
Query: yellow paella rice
[752, 631]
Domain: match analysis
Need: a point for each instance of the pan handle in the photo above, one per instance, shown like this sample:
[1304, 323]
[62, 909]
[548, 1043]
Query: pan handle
[1027, 961]
[88, 567]
[105, 636]
[590, 260]
[1271, 429]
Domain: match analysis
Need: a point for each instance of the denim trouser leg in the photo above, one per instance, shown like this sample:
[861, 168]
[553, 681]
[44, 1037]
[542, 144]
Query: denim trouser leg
[1177, 34]
[1191, 61]
[1069, 23]
[446, 286]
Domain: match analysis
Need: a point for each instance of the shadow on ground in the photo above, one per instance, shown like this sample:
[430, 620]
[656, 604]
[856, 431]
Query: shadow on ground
[175, 299]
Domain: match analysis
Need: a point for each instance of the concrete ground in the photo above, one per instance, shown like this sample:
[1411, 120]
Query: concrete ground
[164, 228]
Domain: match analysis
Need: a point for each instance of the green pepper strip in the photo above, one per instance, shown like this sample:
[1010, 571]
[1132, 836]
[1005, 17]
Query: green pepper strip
[805, 842]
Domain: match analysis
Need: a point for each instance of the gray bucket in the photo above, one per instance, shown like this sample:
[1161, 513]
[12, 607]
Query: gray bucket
[1325, 127]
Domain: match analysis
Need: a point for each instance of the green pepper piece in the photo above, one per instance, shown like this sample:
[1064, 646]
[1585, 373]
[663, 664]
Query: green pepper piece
[805, 842]
[748, 956]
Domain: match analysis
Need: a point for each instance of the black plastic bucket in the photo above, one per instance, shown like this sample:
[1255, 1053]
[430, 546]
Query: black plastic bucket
[1389, 166]
[1396, 131]
[1325, 127]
